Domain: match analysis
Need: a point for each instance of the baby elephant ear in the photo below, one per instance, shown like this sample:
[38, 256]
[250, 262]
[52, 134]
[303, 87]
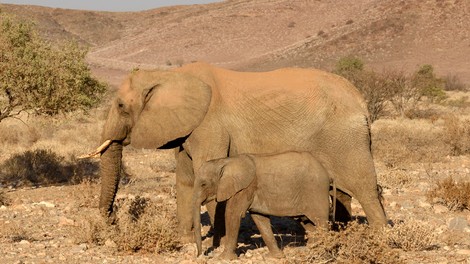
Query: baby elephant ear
[236, 175]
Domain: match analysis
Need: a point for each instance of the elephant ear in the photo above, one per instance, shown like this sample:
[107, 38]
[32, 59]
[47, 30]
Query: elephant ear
[236, 175]
[173, 105]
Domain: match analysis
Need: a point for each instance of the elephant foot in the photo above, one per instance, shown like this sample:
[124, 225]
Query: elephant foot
[228, 255]
[278, 254]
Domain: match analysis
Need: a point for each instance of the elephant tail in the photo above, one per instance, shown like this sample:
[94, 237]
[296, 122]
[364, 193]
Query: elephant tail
[333, 184]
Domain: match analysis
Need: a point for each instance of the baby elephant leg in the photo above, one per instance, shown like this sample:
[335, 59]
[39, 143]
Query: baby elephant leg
[264, 225]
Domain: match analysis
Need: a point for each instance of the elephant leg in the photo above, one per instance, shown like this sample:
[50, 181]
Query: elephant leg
[235, 209]
[264, 226]
[218, 222]
[343, 211]
[184, 192]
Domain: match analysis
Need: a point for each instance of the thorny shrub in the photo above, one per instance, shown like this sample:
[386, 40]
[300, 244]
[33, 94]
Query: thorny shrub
[359, 243]
[355, 243]
[453, 83]
[457, 135]
[142, 226]
[42, 167]
[412, 235]
[450, 193]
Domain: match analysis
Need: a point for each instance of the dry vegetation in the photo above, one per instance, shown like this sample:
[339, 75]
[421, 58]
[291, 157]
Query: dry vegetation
[421, 137]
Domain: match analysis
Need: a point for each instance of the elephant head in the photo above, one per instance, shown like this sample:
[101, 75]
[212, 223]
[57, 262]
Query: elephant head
[219, 179]
[152, 110]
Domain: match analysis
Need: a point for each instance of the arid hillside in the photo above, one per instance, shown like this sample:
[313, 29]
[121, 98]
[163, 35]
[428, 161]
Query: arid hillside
[262, 35]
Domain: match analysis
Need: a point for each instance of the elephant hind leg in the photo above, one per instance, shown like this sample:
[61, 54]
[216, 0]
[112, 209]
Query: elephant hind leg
[343, 211]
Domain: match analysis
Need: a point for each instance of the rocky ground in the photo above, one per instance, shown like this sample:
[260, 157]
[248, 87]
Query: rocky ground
[48, 224]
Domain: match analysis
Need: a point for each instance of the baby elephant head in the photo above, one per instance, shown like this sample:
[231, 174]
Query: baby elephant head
[219, 179]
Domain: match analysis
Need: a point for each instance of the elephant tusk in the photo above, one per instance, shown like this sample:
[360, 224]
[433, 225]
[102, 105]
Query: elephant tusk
[98, 150]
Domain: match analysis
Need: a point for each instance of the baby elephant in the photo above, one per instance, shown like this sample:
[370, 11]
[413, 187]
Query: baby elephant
[287, 184]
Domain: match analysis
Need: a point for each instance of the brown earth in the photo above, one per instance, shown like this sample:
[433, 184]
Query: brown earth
[48, 224]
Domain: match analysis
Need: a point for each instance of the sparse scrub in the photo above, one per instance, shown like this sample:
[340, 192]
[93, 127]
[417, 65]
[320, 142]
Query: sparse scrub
[373, 86]
[43, 167]
[394, 178]
[39, 78]
[453, 83]
[142, 226]
[407, 141]
[412, 235]
[452, 194]
[457, 135]
[356, 243]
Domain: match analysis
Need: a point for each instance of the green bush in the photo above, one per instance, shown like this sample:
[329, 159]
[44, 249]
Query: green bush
[428, 84]
[43, 167]
[40, 78]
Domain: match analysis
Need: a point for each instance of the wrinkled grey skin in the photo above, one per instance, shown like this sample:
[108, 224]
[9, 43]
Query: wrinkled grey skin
[210, 113]
[287, 184]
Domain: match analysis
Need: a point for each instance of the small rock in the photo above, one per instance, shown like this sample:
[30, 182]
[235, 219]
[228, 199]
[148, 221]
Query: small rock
[424, 204]
[464, 252]
[109, 243]
[458, 224]
[64, 221]
[46, 204]
[440, 209]
[248, 254]
[3, 208]
[24, 242]
[393, 204]
[407, 205]
[79, 248]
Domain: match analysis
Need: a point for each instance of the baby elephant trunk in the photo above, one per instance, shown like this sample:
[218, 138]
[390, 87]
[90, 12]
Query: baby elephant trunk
[197, 221]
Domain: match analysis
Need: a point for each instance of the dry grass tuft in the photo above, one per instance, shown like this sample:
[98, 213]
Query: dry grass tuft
[356, 243]
[15, 233]
[412, 235]
[457, 135]
[452, 194]
[142, 226]
[359, 243]
[394, 178]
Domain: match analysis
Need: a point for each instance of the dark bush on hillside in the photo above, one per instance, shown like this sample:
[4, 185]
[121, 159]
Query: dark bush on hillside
[40, 78]
[43, 167]
[453, 83]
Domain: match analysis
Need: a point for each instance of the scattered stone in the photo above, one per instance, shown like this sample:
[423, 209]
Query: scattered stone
[440, 209]
[458, 224]
[79, 248]
[24, 242]
[424, 204]
[407, 205]
[64, 221]
[464, 252]
[3, 208]
[110, 243]
[46, 204]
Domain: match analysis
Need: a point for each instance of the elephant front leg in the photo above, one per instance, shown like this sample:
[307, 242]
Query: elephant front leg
[184, 191]
[264, 226]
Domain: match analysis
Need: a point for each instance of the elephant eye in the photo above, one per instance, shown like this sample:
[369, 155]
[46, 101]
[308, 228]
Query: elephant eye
[203, 184]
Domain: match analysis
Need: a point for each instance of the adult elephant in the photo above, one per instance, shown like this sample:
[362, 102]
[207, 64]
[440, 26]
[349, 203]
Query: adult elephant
[209, 113]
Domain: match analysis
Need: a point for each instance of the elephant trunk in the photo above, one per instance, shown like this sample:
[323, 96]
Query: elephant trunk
[197, 201]
[110, 175]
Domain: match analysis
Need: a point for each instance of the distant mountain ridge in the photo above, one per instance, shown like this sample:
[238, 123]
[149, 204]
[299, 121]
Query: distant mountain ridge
[263, 35]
